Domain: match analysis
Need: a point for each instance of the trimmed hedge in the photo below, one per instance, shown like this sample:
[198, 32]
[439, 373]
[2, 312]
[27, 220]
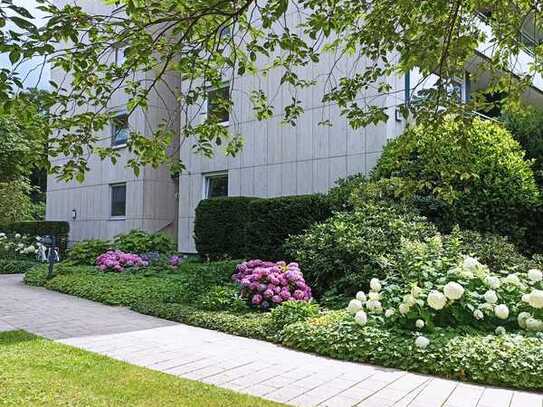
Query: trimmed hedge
[60, 230]
[219, 227]
[13, 266]
[242, 227]
[464, 354]
[272, 221]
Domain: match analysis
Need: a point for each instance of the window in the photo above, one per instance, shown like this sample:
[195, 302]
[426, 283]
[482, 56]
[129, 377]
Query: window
[218, 105]
[118, 200]
[215, 185]
[118, 53]
[119, 130]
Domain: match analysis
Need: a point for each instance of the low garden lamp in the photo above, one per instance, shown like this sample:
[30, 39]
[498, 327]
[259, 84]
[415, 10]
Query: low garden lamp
[52, 252]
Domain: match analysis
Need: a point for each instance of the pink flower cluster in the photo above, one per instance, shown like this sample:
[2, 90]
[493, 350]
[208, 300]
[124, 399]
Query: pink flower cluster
[266, 283]
[117, 261]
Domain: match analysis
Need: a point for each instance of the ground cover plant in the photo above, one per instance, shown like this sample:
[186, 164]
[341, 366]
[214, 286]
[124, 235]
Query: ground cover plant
[36, 371]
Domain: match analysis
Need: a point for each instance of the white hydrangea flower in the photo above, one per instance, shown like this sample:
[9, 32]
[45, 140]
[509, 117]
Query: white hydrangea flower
[453, 290]
[361, 296]
[470, 263]
[361, 318]
[375, 284]
[389, 312]
[512, 279]
[422, 342]
[38, 239]
[374, 305]
[416, 291]
[535, 275]
[491, 297]
[501, 311]
[403, 308]
[493, 282]
[525, 298]
[536, 299]
[522, 318]
[533, 324]
[419, 323]
[500, 330]
[374, 296]
[354, 306]
[409, 300]
[478, 314]
[436, 300]
[17, 236]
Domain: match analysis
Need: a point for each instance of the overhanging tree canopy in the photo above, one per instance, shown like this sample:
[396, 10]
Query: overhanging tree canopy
[200, 40]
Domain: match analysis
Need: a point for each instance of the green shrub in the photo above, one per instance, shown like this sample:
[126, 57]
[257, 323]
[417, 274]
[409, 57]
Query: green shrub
[140, 242]
[13, 266]
[526, 126]
[274, 220]
[497, 252]
[291, 312]
[240, 227]
[86, 251]
[508, 360]
[473, 175]
[219, 227]
[60, 230]
[339, 196]
[348, 249]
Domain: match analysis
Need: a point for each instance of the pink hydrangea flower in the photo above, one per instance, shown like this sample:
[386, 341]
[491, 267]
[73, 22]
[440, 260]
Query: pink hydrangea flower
[266, 284]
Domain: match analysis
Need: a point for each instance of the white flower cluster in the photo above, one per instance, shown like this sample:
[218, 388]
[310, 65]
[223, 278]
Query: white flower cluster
[467, 292]
[19, 245]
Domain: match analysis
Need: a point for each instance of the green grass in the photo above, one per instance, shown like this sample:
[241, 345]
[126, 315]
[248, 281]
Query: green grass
[37, 372]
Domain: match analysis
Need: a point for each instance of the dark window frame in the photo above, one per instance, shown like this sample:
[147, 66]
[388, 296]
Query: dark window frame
[223, 112]
[118, 206]
[213, 190]
[116, 129]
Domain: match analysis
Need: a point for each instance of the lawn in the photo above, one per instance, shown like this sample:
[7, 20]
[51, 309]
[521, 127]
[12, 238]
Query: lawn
[37, 372]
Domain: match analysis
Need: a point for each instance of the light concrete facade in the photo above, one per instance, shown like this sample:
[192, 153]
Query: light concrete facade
[277, 160]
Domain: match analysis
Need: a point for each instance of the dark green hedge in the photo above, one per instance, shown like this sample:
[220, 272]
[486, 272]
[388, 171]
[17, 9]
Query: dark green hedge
[12, 266]
[242, 227]
[272, 221]
[219, 228]
[60, 230]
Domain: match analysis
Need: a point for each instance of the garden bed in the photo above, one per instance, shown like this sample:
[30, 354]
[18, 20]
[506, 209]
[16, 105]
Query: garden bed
[15, 266]
[210, 301]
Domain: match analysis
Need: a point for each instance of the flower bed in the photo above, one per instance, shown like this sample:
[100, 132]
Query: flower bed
[461, 352]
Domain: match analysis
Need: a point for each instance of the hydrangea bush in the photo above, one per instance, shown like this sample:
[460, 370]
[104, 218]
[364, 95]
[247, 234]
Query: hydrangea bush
[118, 261]
[265, 284]
[19, 246]
[441, 287]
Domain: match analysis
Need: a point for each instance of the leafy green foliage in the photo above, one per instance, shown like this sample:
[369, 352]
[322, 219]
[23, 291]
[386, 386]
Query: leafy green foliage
[507, 360]
[526, 126]
[475, 177]
[291, 312]
[60, 230]
[220, 227]
[260, 40]
[347, 250]
[240, 227]
[13, 266]
[86, 251]
[138, 241]
[15, 201]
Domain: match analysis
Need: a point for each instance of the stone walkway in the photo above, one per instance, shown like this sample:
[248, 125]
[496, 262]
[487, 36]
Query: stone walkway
[240, 364]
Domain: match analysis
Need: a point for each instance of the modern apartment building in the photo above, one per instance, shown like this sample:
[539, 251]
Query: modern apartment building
[277, 160]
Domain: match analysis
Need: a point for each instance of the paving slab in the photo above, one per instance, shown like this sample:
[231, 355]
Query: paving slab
[245, 365]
